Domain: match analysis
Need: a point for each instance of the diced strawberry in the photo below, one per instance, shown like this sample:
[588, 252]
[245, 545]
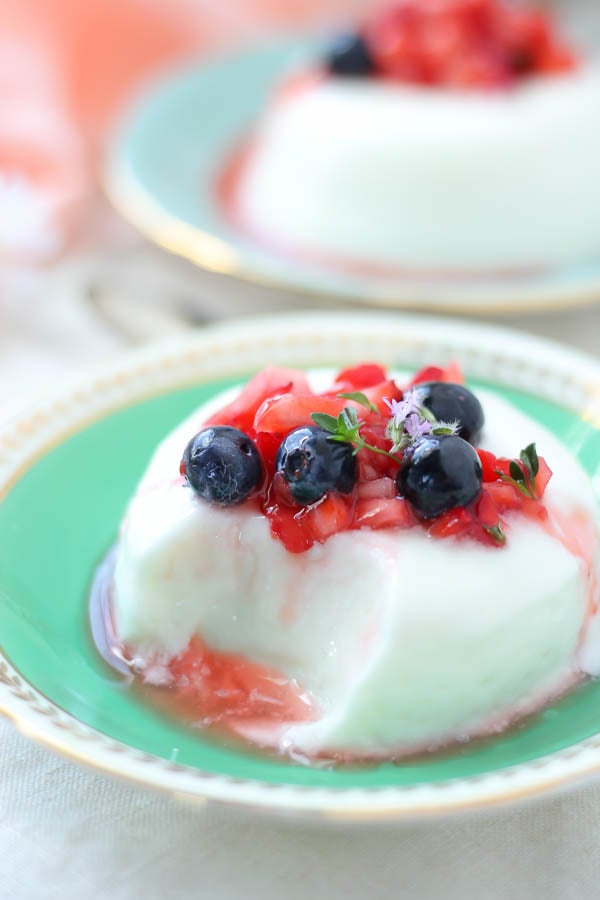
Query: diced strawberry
[453, 523]
[357, 378]
[392, 40]
[557, 60]
[384, 390]
[287, 525]
[489, 465]
[375, 465]
[268, 383]
[504, 495]
[486, 511]
[366, 470]
[543, 477]
[375, 394]
[383, 513]
[484, 535]
[328, 517]
[477, 69]
[441, 39]
[374, 433]
[503, 465]
[282, 414]
[464, 43]
[382, 488]
[522, 34]
[453, 374]
[428, 373]
[268, 445]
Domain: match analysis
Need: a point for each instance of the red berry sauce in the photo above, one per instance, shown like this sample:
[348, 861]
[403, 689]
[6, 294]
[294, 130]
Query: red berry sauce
[203, 686]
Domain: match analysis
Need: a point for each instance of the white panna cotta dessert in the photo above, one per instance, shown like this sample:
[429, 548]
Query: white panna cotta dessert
[398, 158]
[362, 605]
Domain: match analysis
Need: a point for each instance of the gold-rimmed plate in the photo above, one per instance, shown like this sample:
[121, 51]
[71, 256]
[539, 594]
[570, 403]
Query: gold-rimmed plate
[169, 154]
[67, 469]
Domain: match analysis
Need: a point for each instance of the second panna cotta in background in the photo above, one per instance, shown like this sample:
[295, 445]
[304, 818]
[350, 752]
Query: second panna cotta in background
[363, 566]
[439, 135]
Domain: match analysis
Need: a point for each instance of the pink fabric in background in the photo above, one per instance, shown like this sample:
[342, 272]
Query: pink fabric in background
[67, 66]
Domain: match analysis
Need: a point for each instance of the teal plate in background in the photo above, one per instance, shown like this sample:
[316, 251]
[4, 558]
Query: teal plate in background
[65, 496]
[163, 168]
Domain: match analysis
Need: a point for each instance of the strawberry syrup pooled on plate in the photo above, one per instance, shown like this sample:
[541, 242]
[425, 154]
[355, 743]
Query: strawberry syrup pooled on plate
[225, 688]
[202, 685]
[279, 403]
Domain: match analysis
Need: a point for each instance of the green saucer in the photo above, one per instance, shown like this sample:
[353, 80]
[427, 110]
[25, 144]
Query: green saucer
[162, 172]
[68, 471]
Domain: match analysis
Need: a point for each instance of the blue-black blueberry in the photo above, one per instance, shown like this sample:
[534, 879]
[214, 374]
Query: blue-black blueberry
[222, 464]
[438, 473]
[349, 57]
[453, 403]
[312, 463]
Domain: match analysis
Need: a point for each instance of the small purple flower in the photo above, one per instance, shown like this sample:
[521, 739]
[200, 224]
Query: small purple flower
[416, 427]
[402, 409]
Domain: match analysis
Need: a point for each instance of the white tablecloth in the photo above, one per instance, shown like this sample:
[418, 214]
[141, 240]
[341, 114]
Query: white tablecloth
[66, 833]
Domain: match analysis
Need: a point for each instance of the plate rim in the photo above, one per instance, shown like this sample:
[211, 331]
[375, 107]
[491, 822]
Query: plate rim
[188, 360]
[213, 253]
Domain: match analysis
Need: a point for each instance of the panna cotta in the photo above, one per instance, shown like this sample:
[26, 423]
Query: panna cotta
[362, 568]
[444, 135]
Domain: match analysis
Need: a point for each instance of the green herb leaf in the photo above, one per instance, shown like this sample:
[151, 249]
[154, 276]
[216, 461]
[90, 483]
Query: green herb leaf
[495, 532]
[522, 476]
[516, 472]
[426, 414]
[359, 397]
[445, 428]
[348, 419]
[325, 421]
[519, 485]
[397, 435]
[530, 460]
[346, 430]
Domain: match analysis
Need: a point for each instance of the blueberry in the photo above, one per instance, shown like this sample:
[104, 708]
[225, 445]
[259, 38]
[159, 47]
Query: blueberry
[222, 465]
[312, 463]
[349, 56]
[453, 403]
[438, 473]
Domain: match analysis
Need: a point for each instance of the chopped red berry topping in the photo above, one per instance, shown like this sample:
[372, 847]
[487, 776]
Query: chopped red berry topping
[464, 43]
[451, 374]
[367, 454]
[271, 382]
[358, 377]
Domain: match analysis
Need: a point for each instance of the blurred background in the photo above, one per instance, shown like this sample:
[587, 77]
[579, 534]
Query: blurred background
[76, 282]
[68, 265]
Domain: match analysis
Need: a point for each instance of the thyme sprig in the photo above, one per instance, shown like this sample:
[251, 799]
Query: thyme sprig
[523, 472]
[346, 429]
